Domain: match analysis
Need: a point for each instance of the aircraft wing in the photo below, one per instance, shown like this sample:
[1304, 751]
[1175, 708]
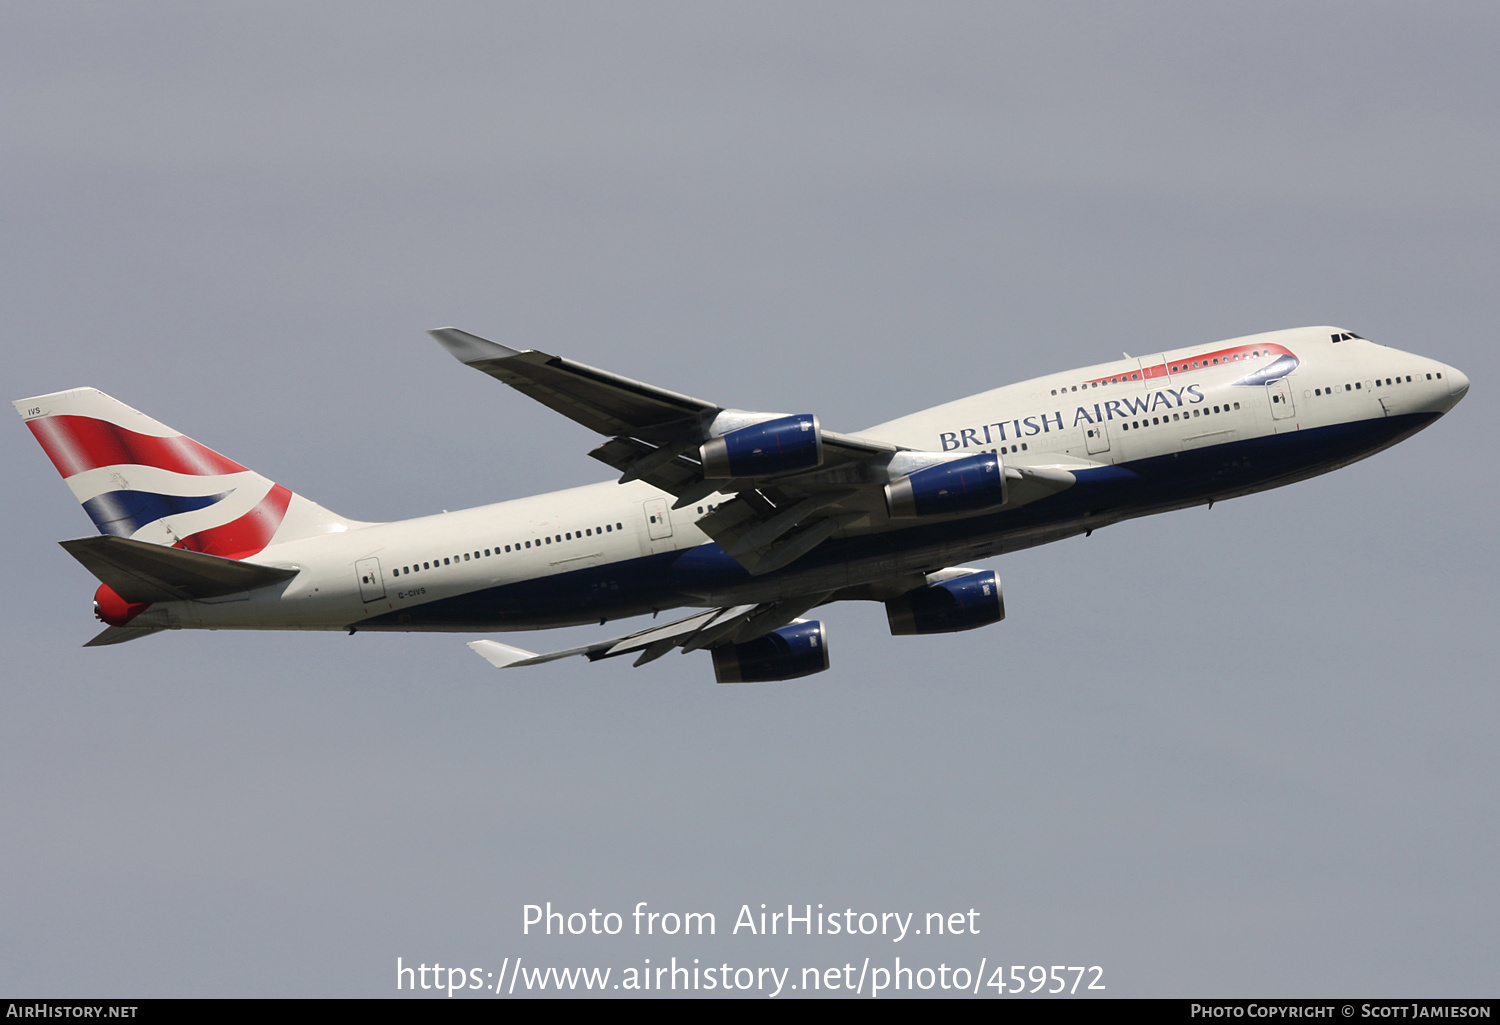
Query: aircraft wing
[655, 436]
[604, 402]
[733, 625]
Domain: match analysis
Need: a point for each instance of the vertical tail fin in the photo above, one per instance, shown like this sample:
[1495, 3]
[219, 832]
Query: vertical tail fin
[140, 479]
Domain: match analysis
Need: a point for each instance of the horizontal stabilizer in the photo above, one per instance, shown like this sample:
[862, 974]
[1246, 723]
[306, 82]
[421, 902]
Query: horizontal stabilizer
[120, 634]
[138, 571]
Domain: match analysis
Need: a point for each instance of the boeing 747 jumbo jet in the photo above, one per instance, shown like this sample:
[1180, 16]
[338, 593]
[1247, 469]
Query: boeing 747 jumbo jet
[752, 519]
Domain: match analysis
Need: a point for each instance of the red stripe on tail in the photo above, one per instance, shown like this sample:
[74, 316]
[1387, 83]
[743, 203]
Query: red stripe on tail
[78, 443]
[242, 538]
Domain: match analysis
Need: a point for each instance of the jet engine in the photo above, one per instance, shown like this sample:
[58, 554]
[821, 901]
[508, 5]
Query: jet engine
[948, 606]
[967, 485]
[799, 649]
[787, 444]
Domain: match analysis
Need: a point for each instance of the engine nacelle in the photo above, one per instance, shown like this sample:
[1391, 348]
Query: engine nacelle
[799, 649]
[948, 606]
[968, 485]
[787, 444]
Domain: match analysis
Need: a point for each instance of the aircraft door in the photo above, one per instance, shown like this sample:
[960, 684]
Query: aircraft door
[658, 519]
[1279, 394]
[371, 584]
[1097, 436]
[1154, 371]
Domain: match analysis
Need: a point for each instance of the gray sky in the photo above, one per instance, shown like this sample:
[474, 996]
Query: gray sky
[1241, 752]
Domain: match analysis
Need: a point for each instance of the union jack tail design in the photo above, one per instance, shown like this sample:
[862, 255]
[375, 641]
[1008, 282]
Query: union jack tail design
[140, 479]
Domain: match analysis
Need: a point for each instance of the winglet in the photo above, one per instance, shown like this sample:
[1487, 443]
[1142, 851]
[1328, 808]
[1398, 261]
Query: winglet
[467, 348]
[500, 655]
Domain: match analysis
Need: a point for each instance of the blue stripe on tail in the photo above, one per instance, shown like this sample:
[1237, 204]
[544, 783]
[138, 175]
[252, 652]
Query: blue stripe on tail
[124, 512]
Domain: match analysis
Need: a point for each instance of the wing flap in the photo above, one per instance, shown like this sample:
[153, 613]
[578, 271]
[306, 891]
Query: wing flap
[792, 547]
[662, 467]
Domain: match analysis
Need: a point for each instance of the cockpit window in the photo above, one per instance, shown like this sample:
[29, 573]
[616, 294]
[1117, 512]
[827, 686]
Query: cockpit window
[1344, 336]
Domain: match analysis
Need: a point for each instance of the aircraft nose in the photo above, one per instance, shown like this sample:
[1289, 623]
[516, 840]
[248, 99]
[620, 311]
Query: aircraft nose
[1458, 384]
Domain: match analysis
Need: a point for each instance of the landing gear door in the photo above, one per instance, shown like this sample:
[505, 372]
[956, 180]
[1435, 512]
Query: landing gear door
[658, 520]
[1279, 394]
[371, 585]
[1097, 436]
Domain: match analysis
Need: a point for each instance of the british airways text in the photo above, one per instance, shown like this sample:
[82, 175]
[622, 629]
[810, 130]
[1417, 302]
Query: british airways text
[1099, 412]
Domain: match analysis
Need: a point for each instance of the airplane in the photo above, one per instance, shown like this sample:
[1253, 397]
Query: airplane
[751, 519]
